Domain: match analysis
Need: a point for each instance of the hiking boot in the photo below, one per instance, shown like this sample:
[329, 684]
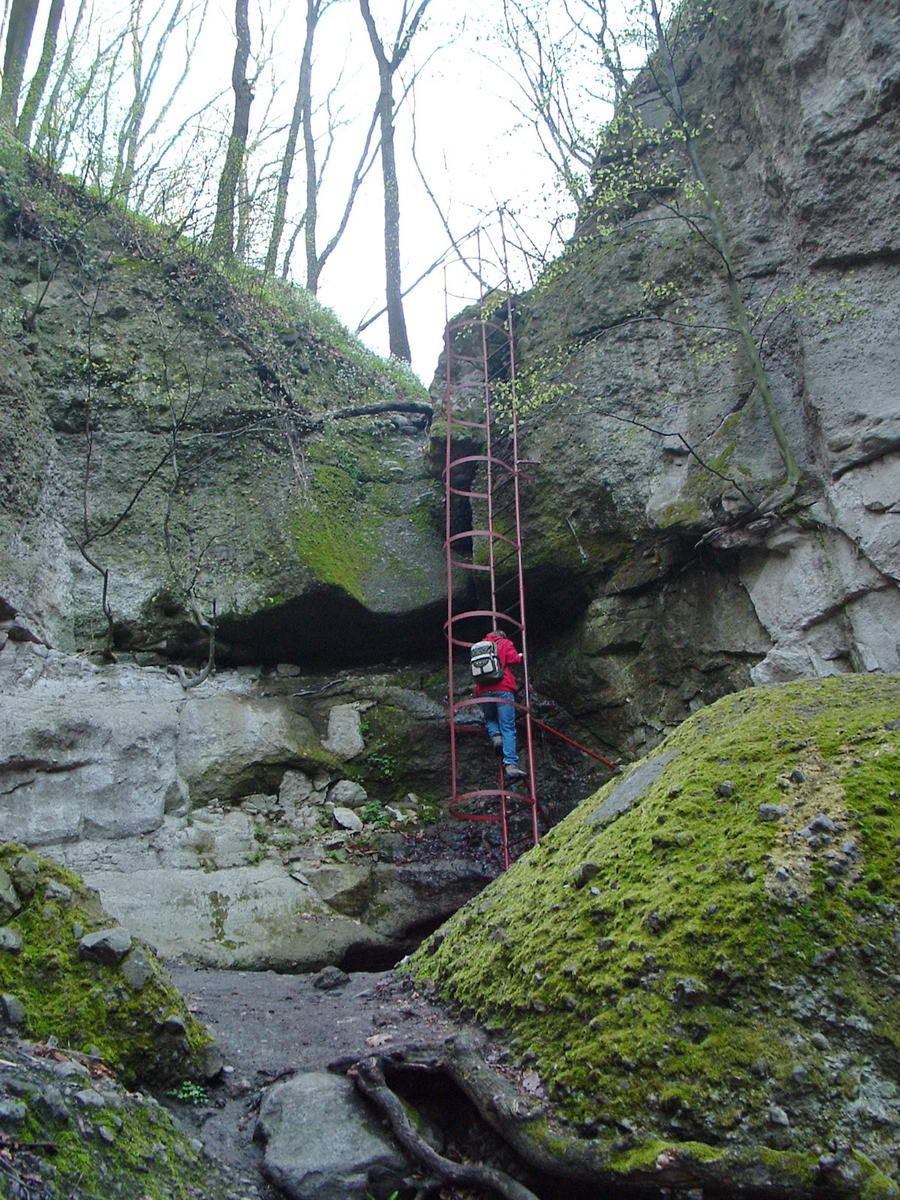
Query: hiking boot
[511, 771]
[496, 741]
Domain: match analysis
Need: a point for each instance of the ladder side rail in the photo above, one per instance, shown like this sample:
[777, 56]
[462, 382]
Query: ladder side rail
[517, 505]
[504, 821]
[448, 544]
[488, 434]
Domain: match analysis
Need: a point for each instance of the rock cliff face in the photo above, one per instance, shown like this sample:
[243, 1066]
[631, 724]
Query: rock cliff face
[192, 439]
[248, 822]
[660, 491]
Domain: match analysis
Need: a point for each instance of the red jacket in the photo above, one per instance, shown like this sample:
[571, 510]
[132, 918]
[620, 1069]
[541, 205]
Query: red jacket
[509, 656]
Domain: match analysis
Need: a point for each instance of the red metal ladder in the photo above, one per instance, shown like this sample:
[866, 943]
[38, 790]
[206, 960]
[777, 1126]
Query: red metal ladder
[485, 580]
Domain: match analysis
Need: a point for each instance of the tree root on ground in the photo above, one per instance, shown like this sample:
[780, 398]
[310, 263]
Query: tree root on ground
[368, 1075]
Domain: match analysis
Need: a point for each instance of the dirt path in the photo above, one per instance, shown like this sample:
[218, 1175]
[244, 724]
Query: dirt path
[268, 1025]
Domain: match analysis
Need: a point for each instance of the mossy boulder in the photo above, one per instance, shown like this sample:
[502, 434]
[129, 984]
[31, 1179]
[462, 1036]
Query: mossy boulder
[73, 1133]
[68, 971]
[700, 964]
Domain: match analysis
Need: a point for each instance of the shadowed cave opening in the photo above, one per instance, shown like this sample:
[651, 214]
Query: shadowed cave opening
[384, 958]
[329, 628]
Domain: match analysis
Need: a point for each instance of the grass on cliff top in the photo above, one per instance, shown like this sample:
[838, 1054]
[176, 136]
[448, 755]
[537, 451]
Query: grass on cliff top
[64, 213]
[669, 969]
[87, 1004]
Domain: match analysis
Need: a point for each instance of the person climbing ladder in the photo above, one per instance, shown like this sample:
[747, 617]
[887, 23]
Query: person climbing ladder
[496, 680]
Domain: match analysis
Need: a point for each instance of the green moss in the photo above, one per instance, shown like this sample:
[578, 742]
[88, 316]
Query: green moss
[388, 734]
[876, 1185]
[143, 1154]
[336, 533]
[652, 992]
[644, 1157]
[84, 1003]
[13, 154]
[342, 533]
[681, 512]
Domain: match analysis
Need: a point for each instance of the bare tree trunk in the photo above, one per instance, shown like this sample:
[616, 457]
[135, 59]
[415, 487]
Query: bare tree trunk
[222, 240]
[388, 65]
[398, 339]
[42, 74]
[313, 264]
[302, 105]
[4, 17]
[242, 210]
[18, 42]
[43, 132]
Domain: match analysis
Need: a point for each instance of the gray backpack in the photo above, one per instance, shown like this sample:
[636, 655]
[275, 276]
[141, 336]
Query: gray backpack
[485, 663]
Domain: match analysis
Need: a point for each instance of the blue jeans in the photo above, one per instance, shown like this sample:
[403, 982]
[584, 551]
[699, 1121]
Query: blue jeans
[501, 719]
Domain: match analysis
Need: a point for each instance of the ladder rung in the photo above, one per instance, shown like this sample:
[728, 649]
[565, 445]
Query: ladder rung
[468, 566]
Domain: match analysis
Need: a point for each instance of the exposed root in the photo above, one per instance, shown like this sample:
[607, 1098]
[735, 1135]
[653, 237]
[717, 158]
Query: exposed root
[369, 1078]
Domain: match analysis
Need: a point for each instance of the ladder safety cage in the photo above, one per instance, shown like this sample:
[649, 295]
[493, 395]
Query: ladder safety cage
[485, 559]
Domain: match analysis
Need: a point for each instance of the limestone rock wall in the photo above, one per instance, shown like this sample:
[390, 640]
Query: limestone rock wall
[659, 492]
[189, 436]
[254, 821]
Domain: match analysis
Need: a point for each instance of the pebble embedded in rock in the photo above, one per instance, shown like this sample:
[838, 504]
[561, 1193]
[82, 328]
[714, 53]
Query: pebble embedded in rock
[52, 1099]
[725, 789]
[71, 1069]
[25, 873]
[9, 900]
[58, 891]
[822, 823]
[12, 1010]
[136, 968]
[688, 992]
[347, 794]
[106, 945]
[344, 738]
[12, 1112]
[585, 873]
[653, 922]
[10, 939]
